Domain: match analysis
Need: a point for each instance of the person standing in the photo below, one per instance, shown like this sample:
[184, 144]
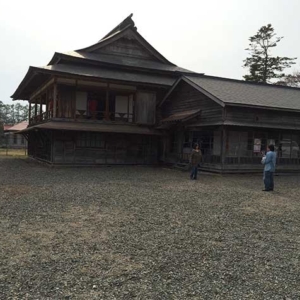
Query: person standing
[196, 157]
[269, 160]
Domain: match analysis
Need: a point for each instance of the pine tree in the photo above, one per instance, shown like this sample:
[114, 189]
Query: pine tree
[263, 67]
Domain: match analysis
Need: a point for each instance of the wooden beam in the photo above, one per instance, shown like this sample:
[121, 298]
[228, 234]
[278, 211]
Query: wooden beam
[54, 98]
[29, 116]
[107, 103]
[41, 106]
[35, 109]
[223, 146]
[47, 103]
[75, 100]
[41, 89]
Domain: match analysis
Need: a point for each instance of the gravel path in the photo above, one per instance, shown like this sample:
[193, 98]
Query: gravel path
[145, 233]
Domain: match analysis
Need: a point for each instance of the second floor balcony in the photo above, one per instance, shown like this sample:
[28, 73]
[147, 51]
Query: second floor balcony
[94, 105]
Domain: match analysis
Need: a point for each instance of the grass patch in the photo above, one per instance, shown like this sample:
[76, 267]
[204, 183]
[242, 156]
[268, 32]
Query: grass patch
[13, 152]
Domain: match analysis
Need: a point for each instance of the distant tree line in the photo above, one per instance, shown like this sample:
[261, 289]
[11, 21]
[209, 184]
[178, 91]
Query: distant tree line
[13, 113]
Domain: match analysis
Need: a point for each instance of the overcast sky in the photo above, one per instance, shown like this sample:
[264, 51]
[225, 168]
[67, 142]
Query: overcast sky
[203, 36]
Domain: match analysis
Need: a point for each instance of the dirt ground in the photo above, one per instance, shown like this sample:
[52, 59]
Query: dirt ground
[145, 233]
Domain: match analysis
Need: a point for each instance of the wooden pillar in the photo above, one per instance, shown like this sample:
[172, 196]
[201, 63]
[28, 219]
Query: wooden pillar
[47, 103]
[239, 148]
[35, 108]
[75, 100]
[133, 107]
[180, 139]
[223, 146]
[107, 103]
[41, 107]
[128, 100]
[29, 111]
[54, 98]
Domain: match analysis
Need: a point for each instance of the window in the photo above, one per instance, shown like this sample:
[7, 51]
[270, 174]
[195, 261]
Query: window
[285, 145]
[206, 141]
[90, 140]
[15, 139]
[295, 150]
[22, 140]
[173, 144]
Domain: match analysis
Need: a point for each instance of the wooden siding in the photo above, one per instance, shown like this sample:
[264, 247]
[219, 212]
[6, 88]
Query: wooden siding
[262, 117]
[87, 148]
[184, 98]
[145, 107]
[126, 47]
[39, 145]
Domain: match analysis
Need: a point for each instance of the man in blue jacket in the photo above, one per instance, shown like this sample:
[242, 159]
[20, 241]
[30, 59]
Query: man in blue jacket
[270, 163]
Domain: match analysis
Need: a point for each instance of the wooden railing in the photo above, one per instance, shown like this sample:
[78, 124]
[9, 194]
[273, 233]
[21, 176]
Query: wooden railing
[39, 118]
[103, 115]
[87, 115]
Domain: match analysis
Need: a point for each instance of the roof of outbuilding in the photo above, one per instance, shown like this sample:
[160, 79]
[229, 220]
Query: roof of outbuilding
[243, 93]
[17, 127]
[6, 127]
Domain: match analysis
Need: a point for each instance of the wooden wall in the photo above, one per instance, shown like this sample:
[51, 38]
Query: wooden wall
[88, 148]
[126, 47]
[262, 117]
[185, 98]
[39, 145]
[145, 107]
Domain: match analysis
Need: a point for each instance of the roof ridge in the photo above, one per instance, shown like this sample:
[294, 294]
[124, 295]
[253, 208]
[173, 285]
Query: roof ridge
[243, 81]
[127, 22]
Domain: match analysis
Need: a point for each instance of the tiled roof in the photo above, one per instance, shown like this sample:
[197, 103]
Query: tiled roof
[105, 73]
[6, 127]
[239, 92]
[126, 61]
[18, 127]
[95, 127]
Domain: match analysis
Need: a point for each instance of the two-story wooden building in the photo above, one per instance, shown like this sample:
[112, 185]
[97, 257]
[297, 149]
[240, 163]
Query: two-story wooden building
[120, 101]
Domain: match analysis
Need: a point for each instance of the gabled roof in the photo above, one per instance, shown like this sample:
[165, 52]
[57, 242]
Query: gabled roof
[17, 127]
[126, 28]
[243, 93]
[85, 62]
[127, 22]
[118, 61]
[225, 91]
[6, 127]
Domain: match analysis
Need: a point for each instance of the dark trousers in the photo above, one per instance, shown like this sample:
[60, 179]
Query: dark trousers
[194, 172]
[269, 180]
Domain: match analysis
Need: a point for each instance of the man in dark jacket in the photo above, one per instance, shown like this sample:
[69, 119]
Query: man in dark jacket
[196, 157]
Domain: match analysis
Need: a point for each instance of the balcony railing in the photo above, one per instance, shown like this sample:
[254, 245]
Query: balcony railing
[86, 115]
[103, 115]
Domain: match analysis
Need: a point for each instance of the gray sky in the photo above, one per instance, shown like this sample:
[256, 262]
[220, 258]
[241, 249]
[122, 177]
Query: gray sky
[203, 36]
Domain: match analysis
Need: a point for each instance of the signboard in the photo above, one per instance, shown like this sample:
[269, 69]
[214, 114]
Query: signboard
[271, 142]
[257, 145]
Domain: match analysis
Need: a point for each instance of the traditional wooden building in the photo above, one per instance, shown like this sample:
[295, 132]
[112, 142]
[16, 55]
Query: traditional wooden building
[120, 101]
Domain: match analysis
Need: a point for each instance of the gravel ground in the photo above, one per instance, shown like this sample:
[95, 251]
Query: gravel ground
[145, 233]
